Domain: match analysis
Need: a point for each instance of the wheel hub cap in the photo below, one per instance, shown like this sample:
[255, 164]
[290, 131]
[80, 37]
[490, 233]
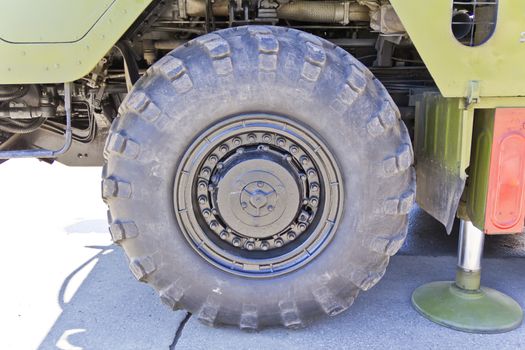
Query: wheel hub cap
[258, 195]
[258, 203]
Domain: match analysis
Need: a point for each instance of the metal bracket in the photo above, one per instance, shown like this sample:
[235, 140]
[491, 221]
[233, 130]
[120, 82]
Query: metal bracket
[45, 153]
[472, 93]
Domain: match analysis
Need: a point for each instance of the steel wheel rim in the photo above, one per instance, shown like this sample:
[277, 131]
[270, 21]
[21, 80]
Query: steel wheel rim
[263, 156]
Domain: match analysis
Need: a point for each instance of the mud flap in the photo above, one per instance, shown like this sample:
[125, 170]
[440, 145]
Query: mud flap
[443, 135]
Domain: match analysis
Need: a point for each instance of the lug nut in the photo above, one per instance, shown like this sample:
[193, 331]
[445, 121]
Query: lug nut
[202, 199]
[281, 142]
[291, 235]
[302, 226]
[314, 201]
[224, 148]
[214, 158]
[279, 243]
[250, 245]
[314, 187]
[252, 138]
[304, 160]
[311, 172]
[265, 246]
[294, 149]
[202, 185]
[214, 225]
[236, 242]
[237, 141]
[206, 213]
[206, 172]
[223, 235]
[267, 138]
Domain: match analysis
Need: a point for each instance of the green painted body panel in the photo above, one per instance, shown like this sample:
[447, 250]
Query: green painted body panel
[442, 141]
[49, 21]
[63, 61]
[497, 64]
[476, 194]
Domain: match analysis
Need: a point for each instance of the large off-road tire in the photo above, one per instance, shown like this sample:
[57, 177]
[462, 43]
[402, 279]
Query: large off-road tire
[281, 122]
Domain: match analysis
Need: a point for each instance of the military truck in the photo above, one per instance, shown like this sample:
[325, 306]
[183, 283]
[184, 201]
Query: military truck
[260, 157]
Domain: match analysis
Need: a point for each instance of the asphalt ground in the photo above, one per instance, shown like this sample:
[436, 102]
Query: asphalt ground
[66, 286]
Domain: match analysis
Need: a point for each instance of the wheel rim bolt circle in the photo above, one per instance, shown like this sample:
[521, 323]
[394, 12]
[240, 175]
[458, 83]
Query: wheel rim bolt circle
[307, 175]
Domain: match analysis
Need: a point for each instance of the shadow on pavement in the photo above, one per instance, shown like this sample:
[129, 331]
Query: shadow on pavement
[110, 309]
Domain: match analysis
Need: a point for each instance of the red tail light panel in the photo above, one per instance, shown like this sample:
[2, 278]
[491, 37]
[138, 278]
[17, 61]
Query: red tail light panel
[505, 210]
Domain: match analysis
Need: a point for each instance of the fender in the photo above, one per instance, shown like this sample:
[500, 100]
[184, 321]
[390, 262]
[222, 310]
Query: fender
[60, 40]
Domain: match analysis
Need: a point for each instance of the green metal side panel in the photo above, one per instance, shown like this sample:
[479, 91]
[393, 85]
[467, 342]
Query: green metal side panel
[497, 64]
[55, 62]
[49, 21]
[476, 194]
[443, 134]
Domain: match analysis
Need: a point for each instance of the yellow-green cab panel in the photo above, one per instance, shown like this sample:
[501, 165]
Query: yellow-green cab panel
[44, 62]
[49, 21]
[498, 64]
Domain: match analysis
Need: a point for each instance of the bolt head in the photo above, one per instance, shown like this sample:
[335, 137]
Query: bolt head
[302, 227]
[236, 242]
[294, 149]
[202, 199]
[252, 138]
[281, 142]
[250, 245]
[214, 225]
[267, 138]
[279, 243]
[237, 141]
[314, 201]
[291, 235]
[223, 235]
[206, 213]
[265, 246]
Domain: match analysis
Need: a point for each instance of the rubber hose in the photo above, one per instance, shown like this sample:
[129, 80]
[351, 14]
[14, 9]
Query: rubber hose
[19, 127]
[11, 95]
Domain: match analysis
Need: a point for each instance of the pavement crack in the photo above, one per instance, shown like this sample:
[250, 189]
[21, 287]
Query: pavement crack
[178, 333]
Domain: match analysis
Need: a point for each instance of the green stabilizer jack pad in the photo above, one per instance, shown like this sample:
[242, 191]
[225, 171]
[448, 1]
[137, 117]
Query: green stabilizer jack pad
[483, 311]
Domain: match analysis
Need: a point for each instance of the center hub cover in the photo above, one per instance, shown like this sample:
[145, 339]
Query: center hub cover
[258, 197]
